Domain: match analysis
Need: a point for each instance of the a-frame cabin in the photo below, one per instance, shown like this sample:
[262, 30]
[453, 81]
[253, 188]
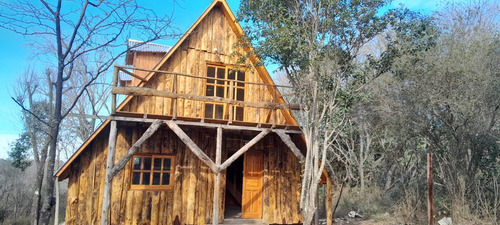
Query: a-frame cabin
[197, 135]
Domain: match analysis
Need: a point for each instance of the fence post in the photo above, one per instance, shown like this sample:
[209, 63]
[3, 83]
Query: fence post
[113, 96]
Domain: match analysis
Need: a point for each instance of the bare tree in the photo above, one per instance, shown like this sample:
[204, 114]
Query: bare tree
[77, 30]
[34, 95]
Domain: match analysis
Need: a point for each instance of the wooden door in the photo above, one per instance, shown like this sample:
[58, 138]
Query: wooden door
[253, 166]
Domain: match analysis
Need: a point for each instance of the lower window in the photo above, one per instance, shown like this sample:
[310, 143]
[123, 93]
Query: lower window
[152, 172]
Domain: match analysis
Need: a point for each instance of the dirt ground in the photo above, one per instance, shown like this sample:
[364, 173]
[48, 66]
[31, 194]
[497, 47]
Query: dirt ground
[360, 221]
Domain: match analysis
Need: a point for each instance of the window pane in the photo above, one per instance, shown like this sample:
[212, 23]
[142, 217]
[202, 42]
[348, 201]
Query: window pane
[157, 164]
[210, 73]
[145, 178]
[136, 178]
[209, 110]
[231, 74]
[167, 164]
[219, 110]
[220, 92]
[239, 113]
[147, 164]
[210, 90]
[221, 73]
[137, 163]
[156, 178]
[240, 94]
[241, 77]
[166, 179]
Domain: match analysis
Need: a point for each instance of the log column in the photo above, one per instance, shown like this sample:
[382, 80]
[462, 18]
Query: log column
[109, 166]
[218, 150]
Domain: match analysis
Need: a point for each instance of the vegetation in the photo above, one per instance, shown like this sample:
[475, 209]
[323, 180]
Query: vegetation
[379, 91]
[15, 193]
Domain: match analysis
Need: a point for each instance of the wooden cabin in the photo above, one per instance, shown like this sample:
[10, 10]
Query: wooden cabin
[200, 138]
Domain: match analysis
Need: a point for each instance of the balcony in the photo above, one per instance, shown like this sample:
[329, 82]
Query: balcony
[213, 99]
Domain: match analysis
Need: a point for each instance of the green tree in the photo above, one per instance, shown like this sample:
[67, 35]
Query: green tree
[19, 152]
[318, 44]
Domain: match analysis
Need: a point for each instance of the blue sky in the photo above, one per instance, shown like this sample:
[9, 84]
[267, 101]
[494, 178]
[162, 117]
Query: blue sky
[15, 56]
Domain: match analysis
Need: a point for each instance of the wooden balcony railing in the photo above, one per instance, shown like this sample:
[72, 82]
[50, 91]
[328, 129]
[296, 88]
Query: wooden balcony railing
[275, 102]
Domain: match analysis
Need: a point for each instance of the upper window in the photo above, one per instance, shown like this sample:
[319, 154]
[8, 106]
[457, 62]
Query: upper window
[221, 88]
[152, 172]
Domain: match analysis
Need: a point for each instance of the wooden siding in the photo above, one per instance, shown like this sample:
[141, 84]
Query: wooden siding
[191, 199]
[281, 192]
[212, 42]
[145, 60]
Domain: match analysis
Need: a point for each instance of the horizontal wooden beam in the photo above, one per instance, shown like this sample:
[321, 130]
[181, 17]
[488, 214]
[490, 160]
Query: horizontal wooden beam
[192, 146]
[186, 123]
[200, 77]
[142, 91]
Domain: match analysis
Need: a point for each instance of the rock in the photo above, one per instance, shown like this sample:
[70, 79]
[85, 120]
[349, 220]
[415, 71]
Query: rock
[445, 221]
[353, 214]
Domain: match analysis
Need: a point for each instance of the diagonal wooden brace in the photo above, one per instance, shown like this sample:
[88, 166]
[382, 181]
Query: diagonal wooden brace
[191, 145]
[243, 149]
[288, 141]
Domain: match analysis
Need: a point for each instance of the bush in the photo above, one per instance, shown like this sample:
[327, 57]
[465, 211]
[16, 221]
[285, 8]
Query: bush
[17, 221]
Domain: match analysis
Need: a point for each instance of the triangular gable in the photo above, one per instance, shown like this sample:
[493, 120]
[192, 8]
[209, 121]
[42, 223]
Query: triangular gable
[261, 70]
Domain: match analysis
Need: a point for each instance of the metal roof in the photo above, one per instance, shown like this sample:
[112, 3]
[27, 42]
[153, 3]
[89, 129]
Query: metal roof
[123, 76]
[140, 46]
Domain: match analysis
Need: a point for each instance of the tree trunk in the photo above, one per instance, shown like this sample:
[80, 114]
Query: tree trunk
[56, 210]
[388, 182]
[361, 176]
[46, 210]
[55, 122]
[37, 189]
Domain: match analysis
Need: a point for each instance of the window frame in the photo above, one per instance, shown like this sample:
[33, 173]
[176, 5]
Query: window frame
[226, 86]
[150, 186]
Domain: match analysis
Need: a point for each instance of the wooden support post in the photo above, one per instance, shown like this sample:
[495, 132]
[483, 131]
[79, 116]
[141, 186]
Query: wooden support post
[288, 141]
[106, 199]
[192, 146]
[275, 100]
[231, 94]
[430, 202]
[243, 149]
[113, 96]
[329, 201]
[218, 156]
[174, 89]
[111, 170]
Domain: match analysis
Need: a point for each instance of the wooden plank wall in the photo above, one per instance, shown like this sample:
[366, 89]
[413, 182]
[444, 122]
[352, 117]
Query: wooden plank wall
[191, 199]
[211, 42]
[145, 60]
[281, 190]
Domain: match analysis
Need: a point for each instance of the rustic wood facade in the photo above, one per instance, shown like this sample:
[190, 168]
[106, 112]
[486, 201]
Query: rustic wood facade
[191, 199]
[260, 140]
